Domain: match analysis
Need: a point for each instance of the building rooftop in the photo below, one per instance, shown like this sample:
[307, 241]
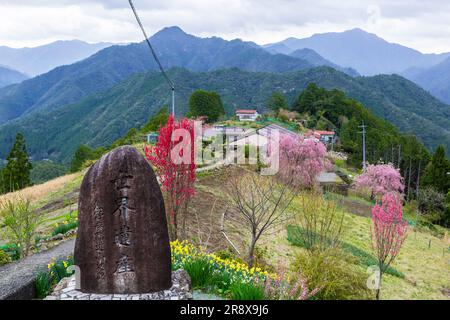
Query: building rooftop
[246, 111]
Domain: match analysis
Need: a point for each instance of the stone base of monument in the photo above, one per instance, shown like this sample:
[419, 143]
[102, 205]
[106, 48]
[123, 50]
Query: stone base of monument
[181, 290]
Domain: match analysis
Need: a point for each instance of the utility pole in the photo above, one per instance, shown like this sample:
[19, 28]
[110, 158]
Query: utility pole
[409, 179]
[364, 144]
[392, 155]
[173, 101]
[417, 197]
[399, 155]
[418, 179]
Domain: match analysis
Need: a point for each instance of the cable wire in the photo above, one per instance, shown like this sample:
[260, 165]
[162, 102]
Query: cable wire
[170, 82]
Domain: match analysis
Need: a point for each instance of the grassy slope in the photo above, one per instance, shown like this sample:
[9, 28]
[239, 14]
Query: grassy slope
[426, 269]
[54, 199]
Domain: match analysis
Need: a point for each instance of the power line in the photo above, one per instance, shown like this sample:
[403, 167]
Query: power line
[171, 84]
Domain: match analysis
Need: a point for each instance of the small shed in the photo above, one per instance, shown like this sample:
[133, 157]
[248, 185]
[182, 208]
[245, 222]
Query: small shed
[247, 114]
[330, 181]
[152, 137]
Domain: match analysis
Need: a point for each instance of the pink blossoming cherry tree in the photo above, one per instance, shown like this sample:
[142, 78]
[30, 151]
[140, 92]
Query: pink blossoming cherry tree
[379, 180]
[301, 161]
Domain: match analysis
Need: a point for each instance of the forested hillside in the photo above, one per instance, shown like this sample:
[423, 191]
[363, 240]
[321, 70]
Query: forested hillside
[101, 118]
[435, 79]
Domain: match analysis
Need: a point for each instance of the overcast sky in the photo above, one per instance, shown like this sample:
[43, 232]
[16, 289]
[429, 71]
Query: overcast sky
[423, 25]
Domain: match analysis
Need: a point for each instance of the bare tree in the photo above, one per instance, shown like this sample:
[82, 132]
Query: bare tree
[259, 204]
[319, 222]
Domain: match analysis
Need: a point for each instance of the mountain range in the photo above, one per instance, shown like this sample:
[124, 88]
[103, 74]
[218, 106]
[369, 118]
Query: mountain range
[435, 79]
[96, 100]
[365, 52]
[9, 76]
[68, 84]
[41, 59]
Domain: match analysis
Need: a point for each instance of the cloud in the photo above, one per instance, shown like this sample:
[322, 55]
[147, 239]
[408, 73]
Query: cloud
[418, 24]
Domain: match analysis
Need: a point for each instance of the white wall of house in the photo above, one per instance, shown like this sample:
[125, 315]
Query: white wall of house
[247, 116]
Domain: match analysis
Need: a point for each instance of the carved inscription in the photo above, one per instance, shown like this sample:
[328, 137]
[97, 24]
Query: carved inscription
[99, 242]
[125, 264]
[123, 238]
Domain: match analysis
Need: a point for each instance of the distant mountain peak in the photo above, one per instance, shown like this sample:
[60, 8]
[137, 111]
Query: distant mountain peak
[363, 51]
[357, 30]
[363, 33]
[171, 31]
[41, 59]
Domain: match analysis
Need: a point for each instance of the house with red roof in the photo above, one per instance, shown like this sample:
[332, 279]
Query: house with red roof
[247, 114]
[323, 136]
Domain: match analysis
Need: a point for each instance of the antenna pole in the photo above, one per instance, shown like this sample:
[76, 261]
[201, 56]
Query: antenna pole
[173, 102]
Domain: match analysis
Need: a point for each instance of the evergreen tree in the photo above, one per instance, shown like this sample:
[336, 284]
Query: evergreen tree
[157, 121]
[16, 174]
[277, 101]
[446, 217]
[307, 100]
[437, 171]
[206, 104]
[82, 154]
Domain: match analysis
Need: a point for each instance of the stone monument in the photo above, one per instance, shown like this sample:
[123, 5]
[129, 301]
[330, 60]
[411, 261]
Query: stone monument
[122, 245]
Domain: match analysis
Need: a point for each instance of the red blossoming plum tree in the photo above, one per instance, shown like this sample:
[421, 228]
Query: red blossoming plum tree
[173, 156]
[389, 232]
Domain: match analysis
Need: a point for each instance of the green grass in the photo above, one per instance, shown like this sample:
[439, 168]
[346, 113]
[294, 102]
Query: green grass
[423, 259]
[338, 198]
[64, 228]
[43, 284]
[246, 291]
[295, 238]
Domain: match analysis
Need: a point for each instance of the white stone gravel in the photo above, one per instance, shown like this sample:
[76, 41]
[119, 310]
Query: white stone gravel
[180, 290]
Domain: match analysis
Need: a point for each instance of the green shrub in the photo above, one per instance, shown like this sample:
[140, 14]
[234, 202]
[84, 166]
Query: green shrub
[334, 272]
[12, 250]
[247, 291]
[43, 284]
[431, 204]
[4, 258]
[58, 270]
[21, 223]
[320, 221]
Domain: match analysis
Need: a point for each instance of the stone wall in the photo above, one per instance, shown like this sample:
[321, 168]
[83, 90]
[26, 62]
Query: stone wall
[17, 279]
[181, 290]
